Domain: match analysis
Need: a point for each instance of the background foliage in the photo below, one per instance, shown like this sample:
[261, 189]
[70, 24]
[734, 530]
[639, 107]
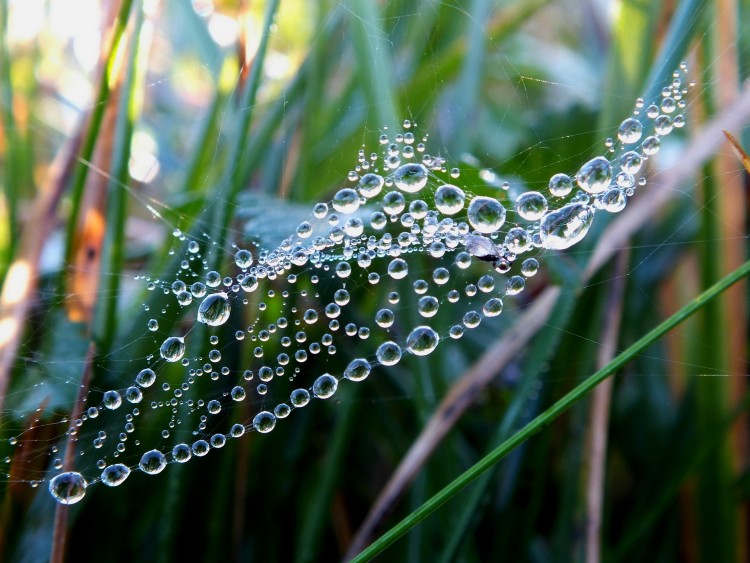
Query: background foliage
[227, 125]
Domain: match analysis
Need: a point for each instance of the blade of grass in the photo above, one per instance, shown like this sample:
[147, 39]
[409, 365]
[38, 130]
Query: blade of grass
[114, 247]
[374, 62]
[548, 416]
[109, 68]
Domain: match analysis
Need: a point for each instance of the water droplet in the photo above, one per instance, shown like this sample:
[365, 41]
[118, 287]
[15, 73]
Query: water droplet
[393, 203]
[630, 162]
[200, 448]
[243, 259]
[153, 325]
[299, 397]
[410, 177]
[630, 131]
[181, 453]
[345, 201]
[560, 185]
[530, 267]
[565, 227]
[422, 340]
[428, 306]
[68, 487]
[493, 307]
[449, 199]
[651, 145]
[370, 185]
[133, 395]
[215, 309]
[264, 422]
[357, 370]
[531, 206]
[595, 176]
[398, 268]
[112, 400]
[115, 474]
[486, 214]
[325, 386]
[172, 349]
[145, 377]
[613, 200]
[388, 353]
[153, 462]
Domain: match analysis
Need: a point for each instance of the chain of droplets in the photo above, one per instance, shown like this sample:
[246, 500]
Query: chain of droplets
[410, 211]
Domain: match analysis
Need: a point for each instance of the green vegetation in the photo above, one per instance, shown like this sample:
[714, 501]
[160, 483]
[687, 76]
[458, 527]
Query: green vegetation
[229, 121]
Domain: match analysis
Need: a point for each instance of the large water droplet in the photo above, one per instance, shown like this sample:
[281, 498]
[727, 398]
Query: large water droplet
[422, 340]
[486, 214]
[595, 176]
[563, 228]
[531, 206]
[398, 268]
[325, 386]
[346, 201]
[112, 400]
[243, 259]
[68, 487]
[388, 353]
[153, 462]
[449, 199]
[264, 422]
[145, 377]
[114, 475]
[215, 309]
[560, 185]
[411, 177]
[630, 131]
[172, 349]
[370, 185]
[357, 370]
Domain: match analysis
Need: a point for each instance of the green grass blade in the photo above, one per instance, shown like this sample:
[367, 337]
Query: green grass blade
[97, 114]
[548, 416]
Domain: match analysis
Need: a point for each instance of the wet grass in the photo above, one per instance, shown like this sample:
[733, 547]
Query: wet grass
[522, 89]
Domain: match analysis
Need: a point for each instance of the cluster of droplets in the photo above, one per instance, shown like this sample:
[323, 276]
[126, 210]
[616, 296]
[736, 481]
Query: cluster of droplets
[402, 216]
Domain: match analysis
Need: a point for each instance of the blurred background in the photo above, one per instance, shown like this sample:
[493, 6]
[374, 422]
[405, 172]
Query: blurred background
[123, 121]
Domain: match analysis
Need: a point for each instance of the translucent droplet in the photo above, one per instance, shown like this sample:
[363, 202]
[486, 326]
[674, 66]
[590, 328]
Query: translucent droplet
[264, 422]
[668, 105]
[68, 487]
[651, 145]
[518, 240]
[630, 131]
[422, 340]
[514, 285]
[345, 201]
[145, 377]
[384, 318]
[398, 269]
[388, 353]
[357, 370]
[112, 400]
[493, 307]
[200, 448]
[153, 462]
[325, 386]
[243, 259]
[237, 393]
[181, 453]
[531, 206]
[630, 162]
[370, 185]
[299, 397]
[428, 306]
[560, 185]
[449, 199]
[663, 125]
[530, 267]
[393, 203]
[115, 474]
[486, 214]
[215, 309]
[172, 349]
[565, 227]
[613, 200]
[133, 395]
[153, 325]
[595, 176]
[410, 177]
